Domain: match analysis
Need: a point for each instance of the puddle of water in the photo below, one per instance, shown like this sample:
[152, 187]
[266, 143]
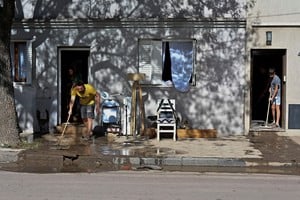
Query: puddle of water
[132, 143]
[130, 151]
[107, 151]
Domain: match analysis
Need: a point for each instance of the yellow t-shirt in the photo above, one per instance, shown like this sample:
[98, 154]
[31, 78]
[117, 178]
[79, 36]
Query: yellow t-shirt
[87, 97]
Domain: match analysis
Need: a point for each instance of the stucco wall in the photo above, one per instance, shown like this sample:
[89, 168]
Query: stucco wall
[217, 100]
[274, 12]
[134, 9]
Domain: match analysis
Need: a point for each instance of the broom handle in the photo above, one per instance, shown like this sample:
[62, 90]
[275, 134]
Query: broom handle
[267, 118]
[62, 134]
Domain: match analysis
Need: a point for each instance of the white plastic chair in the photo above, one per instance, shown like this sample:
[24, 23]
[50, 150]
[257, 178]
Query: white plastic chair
[166, 118]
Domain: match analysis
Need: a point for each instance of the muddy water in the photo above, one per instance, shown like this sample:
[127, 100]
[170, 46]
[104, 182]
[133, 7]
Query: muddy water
[81, 156]
[97, 156]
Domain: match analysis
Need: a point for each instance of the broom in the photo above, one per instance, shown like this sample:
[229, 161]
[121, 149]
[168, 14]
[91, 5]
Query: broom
[267, 118]
[63, 132]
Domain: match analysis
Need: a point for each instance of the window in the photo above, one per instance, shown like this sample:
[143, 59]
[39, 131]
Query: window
[167, 62]
[21, 52]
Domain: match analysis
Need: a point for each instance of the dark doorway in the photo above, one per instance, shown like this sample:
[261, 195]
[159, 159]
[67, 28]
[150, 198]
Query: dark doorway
[77, 60]
[261, 61]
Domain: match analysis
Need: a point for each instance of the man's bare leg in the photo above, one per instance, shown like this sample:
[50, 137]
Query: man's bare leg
[85, 121]
[273, 112]
[89, 126]
[277, 115]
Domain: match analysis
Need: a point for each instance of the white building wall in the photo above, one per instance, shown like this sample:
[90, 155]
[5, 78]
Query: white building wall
[215, 102]
[283, 19]
[134, 9]
[275, 12]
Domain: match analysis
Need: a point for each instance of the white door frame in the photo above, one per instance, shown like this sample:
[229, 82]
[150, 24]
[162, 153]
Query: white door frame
[59, 50]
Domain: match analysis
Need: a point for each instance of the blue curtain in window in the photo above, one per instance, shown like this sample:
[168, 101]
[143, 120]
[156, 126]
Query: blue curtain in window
[181, 55]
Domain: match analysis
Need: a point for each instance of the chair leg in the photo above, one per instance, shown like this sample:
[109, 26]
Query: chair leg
[174, 133]
[173, 130]
[158, 133]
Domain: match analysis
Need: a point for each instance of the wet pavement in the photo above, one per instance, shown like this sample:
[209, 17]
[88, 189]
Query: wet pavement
[259, 152]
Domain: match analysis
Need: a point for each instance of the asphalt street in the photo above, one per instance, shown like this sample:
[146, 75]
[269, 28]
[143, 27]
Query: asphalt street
[152, 185]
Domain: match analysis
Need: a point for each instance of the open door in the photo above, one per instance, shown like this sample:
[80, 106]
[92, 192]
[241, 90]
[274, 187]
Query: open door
[76, 60]
[261, 61]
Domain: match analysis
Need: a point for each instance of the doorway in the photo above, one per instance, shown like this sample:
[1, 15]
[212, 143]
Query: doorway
[77, 60]
[261, 61]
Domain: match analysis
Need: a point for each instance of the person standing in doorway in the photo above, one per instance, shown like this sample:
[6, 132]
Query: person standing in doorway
[275, 96]
[89, 99]
[72, 78]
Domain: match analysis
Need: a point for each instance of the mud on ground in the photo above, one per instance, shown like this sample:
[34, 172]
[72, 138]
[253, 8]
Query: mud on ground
[275, 148]
[54, 157]
[49, 157]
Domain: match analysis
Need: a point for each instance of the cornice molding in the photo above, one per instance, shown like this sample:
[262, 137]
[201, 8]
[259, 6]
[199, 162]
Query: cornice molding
[275, 25]
[90, 23]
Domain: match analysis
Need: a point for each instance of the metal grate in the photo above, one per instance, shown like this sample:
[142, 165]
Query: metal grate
[294, 116]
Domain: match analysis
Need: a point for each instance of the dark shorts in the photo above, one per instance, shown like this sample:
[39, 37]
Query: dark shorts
[87, 111]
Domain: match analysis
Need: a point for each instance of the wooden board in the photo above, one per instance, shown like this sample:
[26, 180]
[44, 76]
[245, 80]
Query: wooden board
[196, 133]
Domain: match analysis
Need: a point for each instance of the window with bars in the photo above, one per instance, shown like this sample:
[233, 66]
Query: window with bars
[167, 62]
[21, 52]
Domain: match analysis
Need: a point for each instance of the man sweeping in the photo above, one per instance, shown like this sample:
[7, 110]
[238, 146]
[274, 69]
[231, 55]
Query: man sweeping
[89, 99]
[275, 96]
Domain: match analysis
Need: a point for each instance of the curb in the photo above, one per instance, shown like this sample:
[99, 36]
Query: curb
[272, 164]
[196, 161]
[12, 155]
[180, 161]
[9, 155]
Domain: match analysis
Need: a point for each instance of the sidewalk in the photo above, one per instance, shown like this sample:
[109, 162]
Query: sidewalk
[267, 149]
[225, 151]
[263, 149]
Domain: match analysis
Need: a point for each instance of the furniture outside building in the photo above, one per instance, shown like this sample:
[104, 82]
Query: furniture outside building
[166, 118]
